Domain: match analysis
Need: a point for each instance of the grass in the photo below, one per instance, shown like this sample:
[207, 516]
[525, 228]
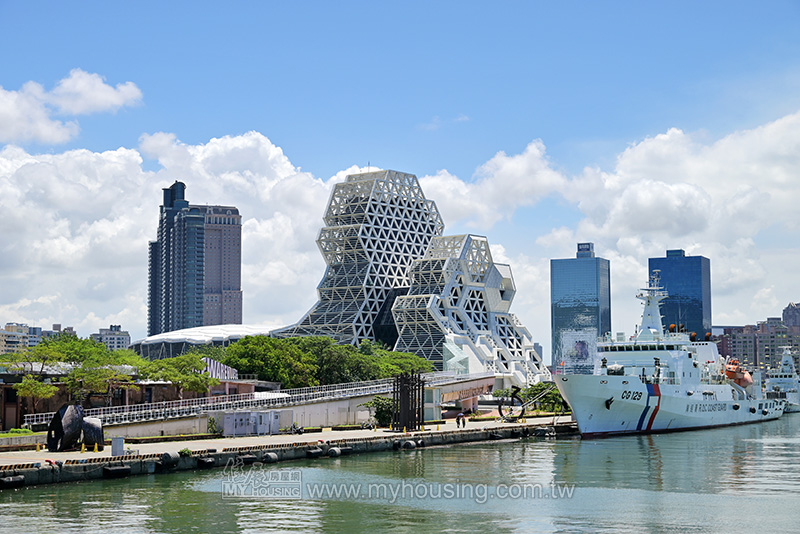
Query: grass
[14, 432]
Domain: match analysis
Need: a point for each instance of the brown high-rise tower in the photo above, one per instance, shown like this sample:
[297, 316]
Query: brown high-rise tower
[195, 265]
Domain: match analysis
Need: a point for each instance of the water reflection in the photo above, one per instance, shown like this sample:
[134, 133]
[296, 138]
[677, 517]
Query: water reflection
[683, 482]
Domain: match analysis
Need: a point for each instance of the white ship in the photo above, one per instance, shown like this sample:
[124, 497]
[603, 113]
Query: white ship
[662, 381]
[784, 382]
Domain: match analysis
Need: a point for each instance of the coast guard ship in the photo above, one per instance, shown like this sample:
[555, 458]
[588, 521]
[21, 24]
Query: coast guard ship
[662, 381]
[783, 383]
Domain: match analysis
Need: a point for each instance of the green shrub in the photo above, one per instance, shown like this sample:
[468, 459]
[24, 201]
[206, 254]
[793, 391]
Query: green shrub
[383, 408]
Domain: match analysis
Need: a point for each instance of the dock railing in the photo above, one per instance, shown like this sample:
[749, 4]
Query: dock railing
[261, 399]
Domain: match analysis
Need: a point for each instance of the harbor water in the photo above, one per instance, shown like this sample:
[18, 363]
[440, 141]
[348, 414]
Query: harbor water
[734, 479]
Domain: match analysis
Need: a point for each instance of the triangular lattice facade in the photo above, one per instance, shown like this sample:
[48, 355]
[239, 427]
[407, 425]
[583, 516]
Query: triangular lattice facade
[456, 313]
[377, 224]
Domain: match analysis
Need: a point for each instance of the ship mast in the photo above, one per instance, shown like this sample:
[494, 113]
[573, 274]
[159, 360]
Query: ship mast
[651, 328]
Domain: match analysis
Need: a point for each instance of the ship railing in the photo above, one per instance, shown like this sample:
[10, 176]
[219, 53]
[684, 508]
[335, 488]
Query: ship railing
[717, 379]
[664, 380]
[585, 369]
[649, 363]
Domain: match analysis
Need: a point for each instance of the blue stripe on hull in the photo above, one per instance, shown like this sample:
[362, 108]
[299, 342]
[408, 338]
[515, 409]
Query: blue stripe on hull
[644, 414]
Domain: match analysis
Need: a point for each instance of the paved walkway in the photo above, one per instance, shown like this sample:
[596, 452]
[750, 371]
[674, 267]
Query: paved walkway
[21, 457]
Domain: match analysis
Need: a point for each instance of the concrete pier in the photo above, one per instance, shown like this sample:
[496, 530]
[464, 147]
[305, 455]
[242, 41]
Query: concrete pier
[31, 467]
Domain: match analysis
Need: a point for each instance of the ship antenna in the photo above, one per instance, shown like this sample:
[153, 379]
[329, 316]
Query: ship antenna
[655, 278]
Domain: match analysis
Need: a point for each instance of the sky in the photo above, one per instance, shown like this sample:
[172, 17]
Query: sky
[640, 127]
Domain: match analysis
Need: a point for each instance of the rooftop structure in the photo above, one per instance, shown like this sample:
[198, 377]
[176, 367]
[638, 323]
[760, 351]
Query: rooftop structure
[175, 343]
[376, 225]
[456, 313]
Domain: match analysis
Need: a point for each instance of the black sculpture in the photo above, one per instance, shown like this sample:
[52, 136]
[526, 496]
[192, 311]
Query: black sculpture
[69, 428]
[408, 396]
[509, 415]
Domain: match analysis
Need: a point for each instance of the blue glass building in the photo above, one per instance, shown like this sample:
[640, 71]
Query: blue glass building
[687, 280]
[580, 298]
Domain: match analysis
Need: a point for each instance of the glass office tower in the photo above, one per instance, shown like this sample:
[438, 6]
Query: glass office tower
[687, 280]
[580, 297]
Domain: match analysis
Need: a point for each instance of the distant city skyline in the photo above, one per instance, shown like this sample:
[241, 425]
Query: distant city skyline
[640, 128]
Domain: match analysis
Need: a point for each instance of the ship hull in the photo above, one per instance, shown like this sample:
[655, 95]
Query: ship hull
[613, 405]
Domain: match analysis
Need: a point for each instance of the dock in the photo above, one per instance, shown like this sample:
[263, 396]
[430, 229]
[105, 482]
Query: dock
[30, 467]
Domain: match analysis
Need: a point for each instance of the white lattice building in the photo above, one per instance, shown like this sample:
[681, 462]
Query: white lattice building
[456, 313]
[377, 224]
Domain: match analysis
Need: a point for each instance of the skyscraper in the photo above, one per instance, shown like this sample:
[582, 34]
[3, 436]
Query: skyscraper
[580, 300]
[687, 280]
[195, 265]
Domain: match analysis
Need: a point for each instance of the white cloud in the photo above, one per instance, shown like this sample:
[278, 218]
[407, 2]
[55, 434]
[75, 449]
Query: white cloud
[502, 184]
[83, 92]
[27, 115]
[733, 200]
[76, 224]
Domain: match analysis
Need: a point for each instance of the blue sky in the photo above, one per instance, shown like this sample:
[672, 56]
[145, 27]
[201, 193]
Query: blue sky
[435, 89]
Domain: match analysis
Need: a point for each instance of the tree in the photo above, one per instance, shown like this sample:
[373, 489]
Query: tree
[93, 367]
[214, 352]
[90, 367]
[274, 360]
[35, 390]
[99, 374]
[551, 401]
[391, 363]
[186, 372]
[383, 407]
[39, 360]
[338, 364]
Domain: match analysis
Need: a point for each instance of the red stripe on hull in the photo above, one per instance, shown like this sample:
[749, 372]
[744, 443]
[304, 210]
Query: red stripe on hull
[656, 393]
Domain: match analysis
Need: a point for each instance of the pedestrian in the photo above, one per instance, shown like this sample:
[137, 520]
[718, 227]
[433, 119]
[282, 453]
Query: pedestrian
[460, 421]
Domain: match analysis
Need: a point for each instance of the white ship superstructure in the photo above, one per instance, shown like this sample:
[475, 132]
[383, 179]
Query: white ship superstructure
[784, 383]
[660, 381]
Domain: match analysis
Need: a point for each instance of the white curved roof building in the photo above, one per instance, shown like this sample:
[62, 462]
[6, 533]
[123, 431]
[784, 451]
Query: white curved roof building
[168, 344]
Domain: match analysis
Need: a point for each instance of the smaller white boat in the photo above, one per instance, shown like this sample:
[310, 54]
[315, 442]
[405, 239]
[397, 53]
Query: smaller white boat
[784, 383]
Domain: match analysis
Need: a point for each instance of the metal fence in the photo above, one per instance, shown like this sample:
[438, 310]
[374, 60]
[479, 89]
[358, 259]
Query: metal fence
[268, 399]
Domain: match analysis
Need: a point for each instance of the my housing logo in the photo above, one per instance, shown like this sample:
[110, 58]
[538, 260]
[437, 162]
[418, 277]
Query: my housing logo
[261, 484]
[256, 482]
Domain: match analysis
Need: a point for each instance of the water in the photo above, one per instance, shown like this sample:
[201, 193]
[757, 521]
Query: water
[726, 480]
